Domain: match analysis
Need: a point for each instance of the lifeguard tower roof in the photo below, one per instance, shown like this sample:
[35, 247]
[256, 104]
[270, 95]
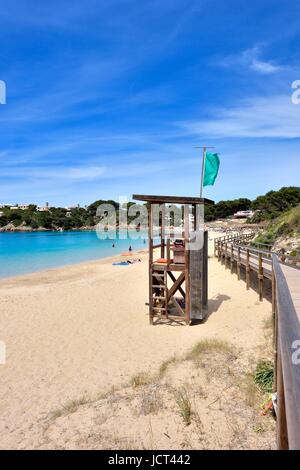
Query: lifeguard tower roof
[171, 199]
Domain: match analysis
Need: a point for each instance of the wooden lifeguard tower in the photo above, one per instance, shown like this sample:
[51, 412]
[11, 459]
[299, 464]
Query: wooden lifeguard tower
[178, 277]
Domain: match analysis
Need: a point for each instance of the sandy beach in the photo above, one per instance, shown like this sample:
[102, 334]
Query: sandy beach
[82, 329]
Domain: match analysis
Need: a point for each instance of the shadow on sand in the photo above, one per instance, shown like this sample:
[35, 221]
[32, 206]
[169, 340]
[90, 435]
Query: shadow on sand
[212, 307]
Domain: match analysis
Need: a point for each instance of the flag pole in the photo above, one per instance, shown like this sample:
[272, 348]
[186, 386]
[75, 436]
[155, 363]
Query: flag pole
[204, 148]
[203, 170]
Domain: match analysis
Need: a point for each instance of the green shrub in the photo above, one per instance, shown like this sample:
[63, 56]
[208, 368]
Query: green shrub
[264, 376]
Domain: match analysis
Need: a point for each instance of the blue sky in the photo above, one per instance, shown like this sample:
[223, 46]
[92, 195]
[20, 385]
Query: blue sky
[111, 97]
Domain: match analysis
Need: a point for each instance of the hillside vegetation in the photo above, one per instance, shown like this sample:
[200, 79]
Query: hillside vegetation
[53, 219]
[275, 203]
[284, 231]
[268, 207]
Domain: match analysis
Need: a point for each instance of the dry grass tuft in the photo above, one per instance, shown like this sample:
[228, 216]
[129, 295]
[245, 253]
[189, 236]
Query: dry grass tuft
[184, 404]
[249, 390]
[141, 379]
[209, 345]
[164, 366]
[70, 407]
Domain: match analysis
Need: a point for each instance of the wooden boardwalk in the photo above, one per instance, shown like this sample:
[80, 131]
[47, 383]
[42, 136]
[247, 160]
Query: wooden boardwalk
[292, 277]
[233, 251]
[284, 272]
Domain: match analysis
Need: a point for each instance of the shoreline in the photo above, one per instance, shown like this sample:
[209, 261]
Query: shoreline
[91, 228]
[60, 269]
[212, 230]
[215, 224]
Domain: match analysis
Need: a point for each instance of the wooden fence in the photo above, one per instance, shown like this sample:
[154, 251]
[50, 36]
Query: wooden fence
[234, 238]
[267, 264]
[231, 251]
[287, 343]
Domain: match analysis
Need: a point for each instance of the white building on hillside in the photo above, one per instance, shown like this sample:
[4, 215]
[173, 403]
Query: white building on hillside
[243, 214]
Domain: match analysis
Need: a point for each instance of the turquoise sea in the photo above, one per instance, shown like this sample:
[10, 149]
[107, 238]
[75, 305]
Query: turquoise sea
[22, 253]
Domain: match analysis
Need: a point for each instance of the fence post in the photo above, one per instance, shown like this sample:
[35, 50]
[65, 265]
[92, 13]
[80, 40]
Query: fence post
[282, 434]
[223, 258]
[275, 328]
[239, 263]
[260, 277]
[248, 269]
[273, 294]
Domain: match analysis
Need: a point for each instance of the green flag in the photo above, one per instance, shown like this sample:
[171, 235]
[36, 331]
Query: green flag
[212, 164]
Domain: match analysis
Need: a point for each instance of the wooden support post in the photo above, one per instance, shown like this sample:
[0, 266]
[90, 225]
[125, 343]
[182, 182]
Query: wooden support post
[196, 221]
[166, 292]
[260, 277]
[150, 232]
[187, 264]
[248, 269]
[225, 260]
[239, 263]
[205, 269]
[162, 230]
[273, 295]
[168, 251]
[231, 258]
[282, 433]
[219, 252]
[275, 330]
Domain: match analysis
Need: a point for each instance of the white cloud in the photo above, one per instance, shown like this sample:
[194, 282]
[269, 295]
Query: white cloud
[251, 59]
[264, 67]
[84, 173]
[268, 117]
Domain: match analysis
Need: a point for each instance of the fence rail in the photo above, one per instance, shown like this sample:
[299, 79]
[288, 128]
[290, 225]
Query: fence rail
[235, 238]
[287, 364]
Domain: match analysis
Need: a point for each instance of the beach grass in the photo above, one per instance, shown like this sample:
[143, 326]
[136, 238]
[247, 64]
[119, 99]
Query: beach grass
[184, 404]
[140, 379]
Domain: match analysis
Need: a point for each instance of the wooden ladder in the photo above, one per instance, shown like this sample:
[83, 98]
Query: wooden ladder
[159, 293]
